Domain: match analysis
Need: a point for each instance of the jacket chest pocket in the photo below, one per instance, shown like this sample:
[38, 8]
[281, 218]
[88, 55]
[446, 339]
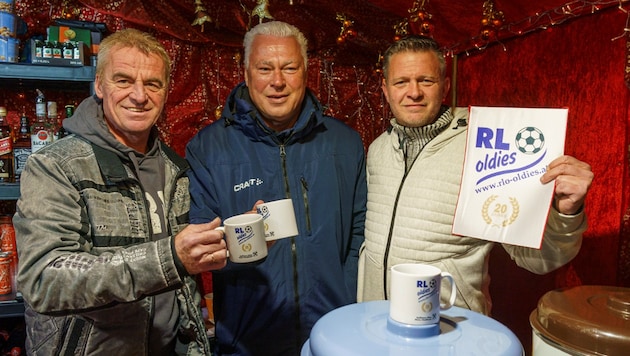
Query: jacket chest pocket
[115, 219]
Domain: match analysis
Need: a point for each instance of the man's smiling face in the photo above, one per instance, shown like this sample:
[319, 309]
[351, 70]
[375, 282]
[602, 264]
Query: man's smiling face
[133, 90]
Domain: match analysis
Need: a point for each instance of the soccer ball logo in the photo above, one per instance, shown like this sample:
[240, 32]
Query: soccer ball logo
[432, 283]
[530, 140]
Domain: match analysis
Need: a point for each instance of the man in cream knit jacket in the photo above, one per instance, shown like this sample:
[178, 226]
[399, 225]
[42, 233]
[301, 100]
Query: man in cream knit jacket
[414, 172]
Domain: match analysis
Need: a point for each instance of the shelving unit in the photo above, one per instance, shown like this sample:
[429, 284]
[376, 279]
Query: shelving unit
[51, 78]
[12, 307]
[21, 71]
[47, 77]
[9, 191]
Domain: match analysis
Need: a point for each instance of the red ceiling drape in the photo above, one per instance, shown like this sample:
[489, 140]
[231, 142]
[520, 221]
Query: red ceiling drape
[574, 65]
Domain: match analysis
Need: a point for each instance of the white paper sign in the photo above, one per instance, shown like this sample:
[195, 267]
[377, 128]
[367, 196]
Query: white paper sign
[501, 197]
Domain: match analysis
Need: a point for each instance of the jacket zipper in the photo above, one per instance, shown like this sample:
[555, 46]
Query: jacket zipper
[296, 292]
[391, 224]
[285, 176]
[307, 211]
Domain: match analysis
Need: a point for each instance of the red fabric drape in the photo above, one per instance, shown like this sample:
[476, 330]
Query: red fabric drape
[579, 67]
[574, 65]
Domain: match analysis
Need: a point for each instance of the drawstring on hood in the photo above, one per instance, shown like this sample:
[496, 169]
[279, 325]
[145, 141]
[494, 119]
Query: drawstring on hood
[88, 121]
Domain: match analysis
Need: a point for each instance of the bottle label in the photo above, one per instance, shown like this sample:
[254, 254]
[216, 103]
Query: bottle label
[40, 109]
[20, 155]
[7, 237]
[4, 170]
[6, 277]
[6, 145]
[40, 139]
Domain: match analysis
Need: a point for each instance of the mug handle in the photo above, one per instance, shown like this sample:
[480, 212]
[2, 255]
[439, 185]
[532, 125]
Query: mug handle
[451, 301]
[222, 229]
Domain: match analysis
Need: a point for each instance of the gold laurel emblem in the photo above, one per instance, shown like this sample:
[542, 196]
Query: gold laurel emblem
[427, 307]
[497, 214]
[247, 247]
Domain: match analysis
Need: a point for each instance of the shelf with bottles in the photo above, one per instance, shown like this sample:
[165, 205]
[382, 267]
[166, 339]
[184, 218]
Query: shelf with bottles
[11, 305]
[62, 85]
[24, 71]
[24, 77]
[9, 191]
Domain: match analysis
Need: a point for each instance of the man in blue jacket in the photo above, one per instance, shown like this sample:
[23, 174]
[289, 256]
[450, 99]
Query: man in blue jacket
[273, 141]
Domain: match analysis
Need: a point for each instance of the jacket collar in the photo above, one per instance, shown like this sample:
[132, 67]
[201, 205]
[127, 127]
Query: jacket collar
[113, 168]
[241, 112]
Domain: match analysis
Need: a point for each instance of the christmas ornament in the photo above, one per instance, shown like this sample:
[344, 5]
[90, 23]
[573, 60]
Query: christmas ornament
[420, 21]
[201, 15]
[218, 110]
[378, 67]
[491, 22]
[347, 29]
[261, 10]
[400, 30]
[70, 11]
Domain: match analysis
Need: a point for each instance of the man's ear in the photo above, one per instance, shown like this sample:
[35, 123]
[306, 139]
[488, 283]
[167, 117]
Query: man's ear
[97, 86]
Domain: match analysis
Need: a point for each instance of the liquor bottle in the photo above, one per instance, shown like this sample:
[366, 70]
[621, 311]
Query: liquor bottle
[39, 48]
[52, 117]
[68, 50]
[41, 133]
[22, 147]
[40, 103]
[76, 53]
[6, 148]
[47, 49]
[57, 49]
[69, 113]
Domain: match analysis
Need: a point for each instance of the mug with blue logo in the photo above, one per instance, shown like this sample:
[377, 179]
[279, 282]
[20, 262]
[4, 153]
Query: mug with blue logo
[415, 293]
[279, 218]
[245, 238]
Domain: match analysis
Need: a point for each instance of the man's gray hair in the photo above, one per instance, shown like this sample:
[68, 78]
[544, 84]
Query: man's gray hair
[275, 29]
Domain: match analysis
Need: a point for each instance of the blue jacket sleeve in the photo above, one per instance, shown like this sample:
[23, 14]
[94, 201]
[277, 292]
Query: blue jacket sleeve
[203, 204]
[358, 225]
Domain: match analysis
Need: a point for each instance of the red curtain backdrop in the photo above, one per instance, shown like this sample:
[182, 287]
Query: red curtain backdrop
[579, 67]
[575, 65]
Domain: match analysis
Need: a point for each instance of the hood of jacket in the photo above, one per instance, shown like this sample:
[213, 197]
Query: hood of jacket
[241, 112]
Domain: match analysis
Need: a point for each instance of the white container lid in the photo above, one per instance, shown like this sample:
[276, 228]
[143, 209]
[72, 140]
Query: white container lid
[362, 329]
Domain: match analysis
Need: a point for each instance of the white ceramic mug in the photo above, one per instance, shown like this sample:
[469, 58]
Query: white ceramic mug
[279, 218]
[245, 238]
[415, 293]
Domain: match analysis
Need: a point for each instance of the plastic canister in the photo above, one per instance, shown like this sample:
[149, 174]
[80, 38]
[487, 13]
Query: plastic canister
[8, 24]
[4, 46]
[365, 329]
[13, 45]
[584, 320]
[6, 5]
